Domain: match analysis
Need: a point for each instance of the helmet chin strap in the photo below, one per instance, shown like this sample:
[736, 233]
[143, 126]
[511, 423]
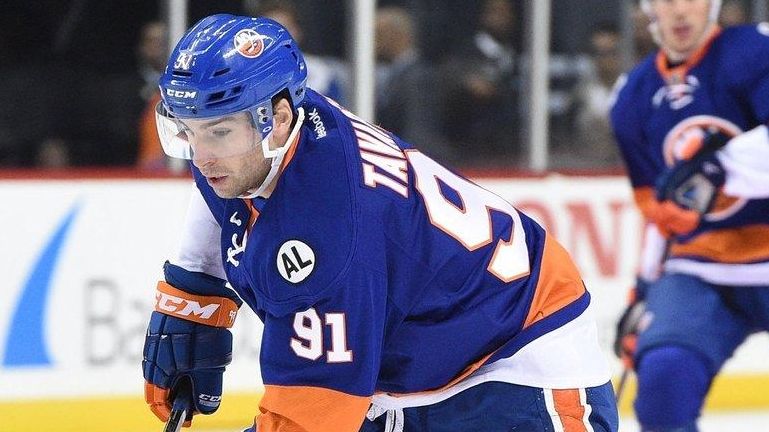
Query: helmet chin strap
[276, 155]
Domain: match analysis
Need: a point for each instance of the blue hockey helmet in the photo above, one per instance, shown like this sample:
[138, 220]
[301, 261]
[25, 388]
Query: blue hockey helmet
[227, 64]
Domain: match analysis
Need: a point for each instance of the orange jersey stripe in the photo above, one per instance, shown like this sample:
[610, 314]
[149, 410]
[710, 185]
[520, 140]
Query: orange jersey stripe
[291, 151]
[310, 409]
[559, 283]
[253, 215]
[570, 410]
[730, 245]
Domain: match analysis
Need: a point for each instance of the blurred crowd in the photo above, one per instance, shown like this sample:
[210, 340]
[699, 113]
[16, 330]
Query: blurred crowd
[450, 78]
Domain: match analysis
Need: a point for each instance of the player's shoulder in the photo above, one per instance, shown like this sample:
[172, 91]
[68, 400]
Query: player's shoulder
[743, 50]
[746, 37]
[631, 85]
[308, 227]
[633, 88]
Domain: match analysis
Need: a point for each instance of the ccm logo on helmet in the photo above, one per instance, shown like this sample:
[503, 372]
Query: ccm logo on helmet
[183, 307]
[184, 94]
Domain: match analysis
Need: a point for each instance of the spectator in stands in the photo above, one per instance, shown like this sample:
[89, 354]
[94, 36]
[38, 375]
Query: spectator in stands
[29, 112]
[480, 90]
[405, 101]
[733, 13]
[53, 153]
[594, 145]
[151, 51]
[327, 75]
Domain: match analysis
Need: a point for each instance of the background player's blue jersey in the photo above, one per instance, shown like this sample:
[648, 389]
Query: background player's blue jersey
[660, 107]
[378, 271]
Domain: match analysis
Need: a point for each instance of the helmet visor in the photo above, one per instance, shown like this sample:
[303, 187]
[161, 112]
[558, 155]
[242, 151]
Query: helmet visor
[215, 137]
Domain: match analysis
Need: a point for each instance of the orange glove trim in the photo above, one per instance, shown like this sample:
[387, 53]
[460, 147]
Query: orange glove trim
[673, 219]
[209, 310]
[629, 345]
[157, 399]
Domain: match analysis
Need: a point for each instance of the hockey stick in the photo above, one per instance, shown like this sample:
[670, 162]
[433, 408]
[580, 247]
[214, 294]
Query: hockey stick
[626, 370]
[622, 382]
[181, 407]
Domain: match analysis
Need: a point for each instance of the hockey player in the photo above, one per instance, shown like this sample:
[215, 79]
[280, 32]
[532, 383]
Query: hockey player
[705, 83]
[395, 294]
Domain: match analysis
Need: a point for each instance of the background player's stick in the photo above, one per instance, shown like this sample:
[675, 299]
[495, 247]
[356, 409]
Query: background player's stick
[181, 408]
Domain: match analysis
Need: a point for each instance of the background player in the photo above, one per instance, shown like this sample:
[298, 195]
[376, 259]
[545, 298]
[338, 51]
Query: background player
[713, 292]
[394, 293]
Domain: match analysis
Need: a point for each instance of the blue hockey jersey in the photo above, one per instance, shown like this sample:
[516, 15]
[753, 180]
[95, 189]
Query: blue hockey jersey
[659, 108]
[379, 273]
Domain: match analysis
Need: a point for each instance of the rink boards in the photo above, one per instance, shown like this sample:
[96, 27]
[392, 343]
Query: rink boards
[80, 259]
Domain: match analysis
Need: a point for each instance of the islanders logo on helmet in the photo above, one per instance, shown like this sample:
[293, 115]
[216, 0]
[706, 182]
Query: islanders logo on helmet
[249, 43]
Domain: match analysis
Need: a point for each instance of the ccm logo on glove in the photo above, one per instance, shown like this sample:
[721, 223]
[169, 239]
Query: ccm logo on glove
[209, 310]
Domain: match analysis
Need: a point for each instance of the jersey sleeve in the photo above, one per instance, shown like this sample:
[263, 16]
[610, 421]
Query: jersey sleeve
[199, 247]
[746, 161]
[320, 365]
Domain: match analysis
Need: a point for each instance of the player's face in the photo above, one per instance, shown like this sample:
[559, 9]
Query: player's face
[682, 23]
[227, 152]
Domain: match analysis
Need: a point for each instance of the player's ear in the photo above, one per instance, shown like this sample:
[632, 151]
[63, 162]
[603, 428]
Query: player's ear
[282, 117]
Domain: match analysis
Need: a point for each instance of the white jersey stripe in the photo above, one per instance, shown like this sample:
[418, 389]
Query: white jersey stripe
[722, 274]
[588, 410]
[550, 405]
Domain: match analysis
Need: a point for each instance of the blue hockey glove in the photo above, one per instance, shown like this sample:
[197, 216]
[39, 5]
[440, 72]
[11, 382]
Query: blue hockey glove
[188, 343]
[693, 184]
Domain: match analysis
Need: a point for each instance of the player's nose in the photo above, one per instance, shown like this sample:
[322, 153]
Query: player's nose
[201, 157]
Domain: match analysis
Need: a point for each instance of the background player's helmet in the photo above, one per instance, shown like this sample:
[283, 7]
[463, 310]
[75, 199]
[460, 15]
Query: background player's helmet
[227, 64]
[646, 7]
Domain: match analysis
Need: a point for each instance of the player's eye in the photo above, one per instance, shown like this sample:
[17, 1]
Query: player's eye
[220, 133]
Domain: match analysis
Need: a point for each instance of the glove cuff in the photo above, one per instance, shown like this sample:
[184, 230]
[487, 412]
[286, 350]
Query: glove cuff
[208, 310]
[198, 283]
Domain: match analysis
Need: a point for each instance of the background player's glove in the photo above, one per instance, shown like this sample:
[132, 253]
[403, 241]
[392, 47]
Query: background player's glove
[626, 338]
[689, 188]
[674, 220]
[187, 345]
